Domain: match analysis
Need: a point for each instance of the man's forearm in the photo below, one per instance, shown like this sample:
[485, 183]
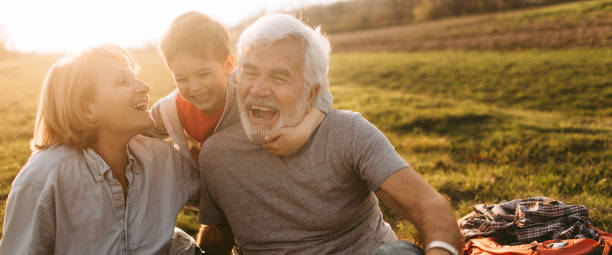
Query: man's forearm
[409, 195]
[439, 224]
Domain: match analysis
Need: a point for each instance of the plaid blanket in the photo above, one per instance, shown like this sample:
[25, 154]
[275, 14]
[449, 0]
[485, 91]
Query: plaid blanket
[523, 221]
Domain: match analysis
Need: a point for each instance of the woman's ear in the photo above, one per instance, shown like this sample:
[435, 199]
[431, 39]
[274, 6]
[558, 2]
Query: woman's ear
[90, 113]
[228, 65]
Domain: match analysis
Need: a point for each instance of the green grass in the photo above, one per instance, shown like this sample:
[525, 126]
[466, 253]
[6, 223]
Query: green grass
[481, 127]
[574, 81]
[20, 79]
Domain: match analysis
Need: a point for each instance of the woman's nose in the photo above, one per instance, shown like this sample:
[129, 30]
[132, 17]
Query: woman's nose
[143, 87]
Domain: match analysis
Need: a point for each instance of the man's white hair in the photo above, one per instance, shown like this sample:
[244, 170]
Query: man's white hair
[275, 27]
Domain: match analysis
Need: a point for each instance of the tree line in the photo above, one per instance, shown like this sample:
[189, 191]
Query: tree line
[3, 50]
[363, 14]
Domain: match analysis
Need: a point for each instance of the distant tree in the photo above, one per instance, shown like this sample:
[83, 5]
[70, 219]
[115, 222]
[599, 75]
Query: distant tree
[3, 50]
[363, 14]
[422, 10]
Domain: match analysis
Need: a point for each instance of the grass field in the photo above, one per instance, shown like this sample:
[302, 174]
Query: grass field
[475, 130]
[481, 132]
[480, 126]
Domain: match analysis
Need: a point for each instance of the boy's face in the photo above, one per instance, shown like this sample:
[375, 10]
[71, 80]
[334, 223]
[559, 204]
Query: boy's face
[202, 82]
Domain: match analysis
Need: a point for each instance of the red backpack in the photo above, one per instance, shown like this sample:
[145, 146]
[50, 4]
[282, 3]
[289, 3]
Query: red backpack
[488, 245]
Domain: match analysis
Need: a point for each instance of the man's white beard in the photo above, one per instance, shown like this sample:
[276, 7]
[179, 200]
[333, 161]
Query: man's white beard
[287, 118]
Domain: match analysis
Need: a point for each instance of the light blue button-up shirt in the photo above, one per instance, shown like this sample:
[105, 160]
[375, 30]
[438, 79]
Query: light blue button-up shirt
[66, 201]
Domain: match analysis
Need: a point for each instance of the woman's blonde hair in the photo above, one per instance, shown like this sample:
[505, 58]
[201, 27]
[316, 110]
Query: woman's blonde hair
[62, 115]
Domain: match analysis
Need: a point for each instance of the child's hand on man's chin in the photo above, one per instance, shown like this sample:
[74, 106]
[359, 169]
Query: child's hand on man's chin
[285, 141]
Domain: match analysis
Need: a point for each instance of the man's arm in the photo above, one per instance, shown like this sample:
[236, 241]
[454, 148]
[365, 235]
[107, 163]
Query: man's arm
[410, 196]
[215, 235]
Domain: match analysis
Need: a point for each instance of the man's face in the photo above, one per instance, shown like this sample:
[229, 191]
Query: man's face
[271, 88]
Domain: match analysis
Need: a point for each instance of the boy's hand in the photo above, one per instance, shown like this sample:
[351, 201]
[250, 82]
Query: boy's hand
[285, 141]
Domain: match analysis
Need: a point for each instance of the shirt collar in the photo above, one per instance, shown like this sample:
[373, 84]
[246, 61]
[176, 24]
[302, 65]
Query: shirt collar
[131, 161]
[98, 167]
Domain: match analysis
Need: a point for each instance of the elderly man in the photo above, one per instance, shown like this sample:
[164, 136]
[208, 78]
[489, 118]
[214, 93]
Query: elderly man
[323, 199]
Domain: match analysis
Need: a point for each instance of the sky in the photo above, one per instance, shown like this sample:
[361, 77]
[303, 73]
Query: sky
[64, 26]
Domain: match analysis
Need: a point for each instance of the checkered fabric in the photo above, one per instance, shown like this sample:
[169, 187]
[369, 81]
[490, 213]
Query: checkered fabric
[523, 221]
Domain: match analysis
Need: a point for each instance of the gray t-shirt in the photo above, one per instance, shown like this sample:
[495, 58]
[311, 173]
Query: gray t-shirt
[318, 201]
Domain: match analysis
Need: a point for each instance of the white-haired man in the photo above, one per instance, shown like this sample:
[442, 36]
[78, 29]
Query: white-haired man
[323, 199]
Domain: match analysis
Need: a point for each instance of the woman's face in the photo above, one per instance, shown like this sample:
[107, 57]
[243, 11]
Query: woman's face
[120, 100]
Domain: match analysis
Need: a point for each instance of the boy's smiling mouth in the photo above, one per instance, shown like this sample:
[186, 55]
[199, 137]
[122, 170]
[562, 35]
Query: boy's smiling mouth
[200, 97]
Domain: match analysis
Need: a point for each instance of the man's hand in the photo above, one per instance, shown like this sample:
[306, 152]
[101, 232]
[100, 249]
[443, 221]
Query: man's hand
[409, 195]
[216, 239]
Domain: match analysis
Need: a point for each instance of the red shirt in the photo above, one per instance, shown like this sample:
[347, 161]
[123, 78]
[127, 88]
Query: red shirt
[196, 123]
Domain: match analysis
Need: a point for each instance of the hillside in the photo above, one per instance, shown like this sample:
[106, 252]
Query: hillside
[581, 24]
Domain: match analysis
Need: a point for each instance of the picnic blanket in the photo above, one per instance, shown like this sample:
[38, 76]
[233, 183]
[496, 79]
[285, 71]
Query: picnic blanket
[523, 221]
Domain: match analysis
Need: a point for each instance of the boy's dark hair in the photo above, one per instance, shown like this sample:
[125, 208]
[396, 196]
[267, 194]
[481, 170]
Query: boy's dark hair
[195, 34]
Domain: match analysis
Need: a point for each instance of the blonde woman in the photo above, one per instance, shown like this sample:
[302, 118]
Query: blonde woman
[92, 184]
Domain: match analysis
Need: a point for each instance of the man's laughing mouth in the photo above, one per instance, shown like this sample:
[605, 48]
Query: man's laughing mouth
[263, 115]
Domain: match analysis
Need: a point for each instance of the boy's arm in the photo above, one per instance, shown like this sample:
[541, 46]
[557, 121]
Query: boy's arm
[286, 141]
[159, 130]
[323, 101]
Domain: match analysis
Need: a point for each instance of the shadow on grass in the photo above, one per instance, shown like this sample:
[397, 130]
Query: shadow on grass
[569, 130]
[469, 125]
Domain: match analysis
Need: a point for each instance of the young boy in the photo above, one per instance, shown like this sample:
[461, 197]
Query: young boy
[196, 50]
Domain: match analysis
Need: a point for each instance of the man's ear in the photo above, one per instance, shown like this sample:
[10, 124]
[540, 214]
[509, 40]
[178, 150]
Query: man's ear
[228, 64]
